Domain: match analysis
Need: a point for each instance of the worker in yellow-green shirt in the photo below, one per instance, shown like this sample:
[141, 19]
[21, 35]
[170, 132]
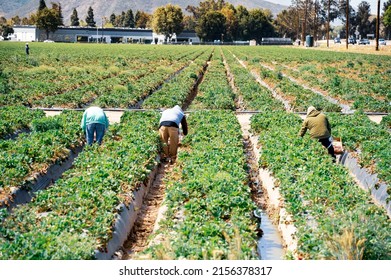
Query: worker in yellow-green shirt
[318, 125]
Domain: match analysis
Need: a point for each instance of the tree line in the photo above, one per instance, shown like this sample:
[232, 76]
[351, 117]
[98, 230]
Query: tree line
[314, 17]
[220, 20]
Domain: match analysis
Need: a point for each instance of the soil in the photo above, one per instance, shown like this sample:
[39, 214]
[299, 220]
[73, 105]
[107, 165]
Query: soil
[148, 216]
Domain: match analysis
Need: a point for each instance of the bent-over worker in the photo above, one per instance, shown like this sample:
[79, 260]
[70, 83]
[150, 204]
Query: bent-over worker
[169, 131]
[319, 128]
[94, 123]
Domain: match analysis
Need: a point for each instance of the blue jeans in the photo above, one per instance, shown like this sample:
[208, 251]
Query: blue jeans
[97, 130]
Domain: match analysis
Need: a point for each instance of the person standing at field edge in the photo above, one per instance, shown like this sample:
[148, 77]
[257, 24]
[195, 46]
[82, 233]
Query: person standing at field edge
[169, 131]
[94, 123]
[27, 49]
[320, 129]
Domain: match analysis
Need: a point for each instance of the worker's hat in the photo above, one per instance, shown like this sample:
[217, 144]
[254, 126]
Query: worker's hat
[310, 109]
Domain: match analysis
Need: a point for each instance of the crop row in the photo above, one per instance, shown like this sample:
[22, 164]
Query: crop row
[328, 208]
[372, 95]
[50, 142]
[215, 91]
[75, 217]
[370, 141]
[207, 196]
[177, 90]
[251, 95]
[121, 91]
[48, 86]
[298, 97]
[363, 81]
[16, 118]
[31, 82]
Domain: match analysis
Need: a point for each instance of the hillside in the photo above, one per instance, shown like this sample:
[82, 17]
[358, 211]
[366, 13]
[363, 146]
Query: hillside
[23, 8]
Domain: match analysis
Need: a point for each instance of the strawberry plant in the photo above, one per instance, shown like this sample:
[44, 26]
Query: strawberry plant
[208, 198]
[14, 118]
[76, 215]
[321, 196]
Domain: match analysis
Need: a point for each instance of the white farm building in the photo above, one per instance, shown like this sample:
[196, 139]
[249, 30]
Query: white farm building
[92, 34]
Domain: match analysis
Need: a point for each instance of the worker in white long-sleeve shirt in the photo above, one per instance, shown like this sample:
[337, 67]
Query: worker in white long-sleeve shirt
[169, 131]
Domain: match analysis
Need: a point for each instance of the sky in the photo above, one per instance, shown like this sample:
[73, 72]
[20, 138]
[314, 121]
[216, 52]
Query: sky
[353, 3]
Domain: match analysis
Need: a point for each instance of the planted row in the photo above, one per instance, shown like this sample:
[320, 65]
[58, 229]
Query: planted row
[179, 88]
[207, 197]
[214, 91]
[16, 118]
[58, 78]
[371, 142]
[298, 97]
[76, 215]
[361, 80]
[329, 210]
[50, 142]
[252, 96]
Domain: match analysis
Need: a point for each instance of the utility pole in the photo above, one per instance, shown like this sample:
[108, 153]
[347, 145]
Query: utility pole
[377, 25]
[347, 24]
[328, 23]
[102, 29]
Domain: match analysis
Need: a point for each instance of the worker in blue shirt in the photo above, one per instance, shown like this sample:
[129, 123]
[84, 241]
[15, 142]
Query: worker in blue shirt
[94, 124]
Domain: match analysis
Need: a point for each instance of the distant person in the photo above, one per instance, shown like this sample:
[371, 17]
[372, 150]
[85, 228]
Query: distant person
[27, 49]
[319, 128]
[94, 124]
[169, 131]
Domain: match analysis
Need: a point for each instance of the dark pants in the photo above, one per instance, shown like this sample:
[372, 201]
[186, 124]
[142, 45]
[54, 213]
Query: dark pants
[97, 130]
[328, 145]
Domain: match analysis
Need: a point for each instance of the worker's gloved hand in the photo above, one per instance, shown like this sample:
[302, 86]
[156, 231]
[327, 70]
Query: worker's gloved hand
[331, 139]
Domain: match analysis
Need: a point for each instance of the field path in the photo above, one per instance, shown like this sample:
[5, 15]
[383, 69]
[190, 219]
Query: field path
[149, 216]
[270, 245]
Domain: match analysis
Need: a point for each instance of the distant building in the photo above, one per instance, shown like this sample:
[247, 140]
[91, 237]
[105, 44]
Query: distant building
[92, 34]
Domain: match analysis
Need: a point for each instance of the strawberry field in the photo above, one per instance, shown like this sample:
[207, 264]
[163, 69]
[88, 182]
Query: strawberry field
[210, 194]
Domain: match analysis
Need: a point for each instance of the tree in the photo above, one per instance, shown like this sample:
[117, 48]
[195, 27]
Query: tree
[243, 17]
[211, 26]
[75, 18]
[231, 20]
[259, 25]
[61, 17]
[25, 21]
[387, 17]
[142, 19]
[16, 20]
[57, 8]
[47, 19]
[189, 23]
[129, 19]
[112, 19]
[287, 23]
[205, 7]
[33, 18]
[90, 17]
[42, 5]
[363, 23]
[167, 20]
[119, 20]
[387, 29]
[352, 18]
[5, 30]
